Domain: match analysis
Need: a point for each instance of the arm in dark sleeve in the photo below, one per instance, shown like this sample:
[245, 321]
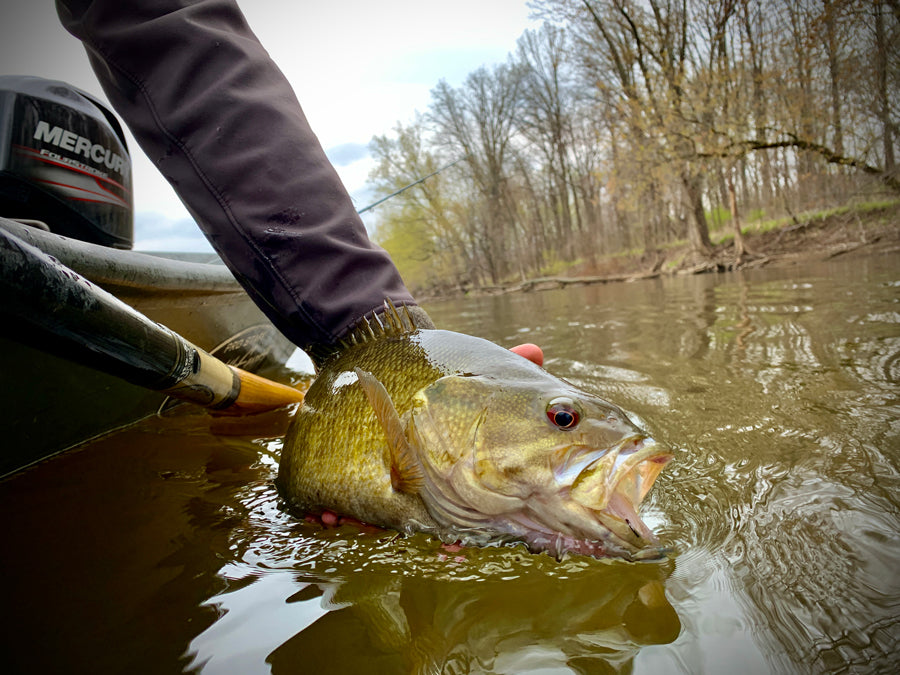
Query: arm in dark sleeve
[220, 121]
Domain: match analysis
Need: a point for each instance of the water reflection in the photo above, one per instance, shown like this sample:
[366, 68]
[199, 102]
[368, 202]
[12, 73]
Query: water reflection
[411, 606]
[596, 619]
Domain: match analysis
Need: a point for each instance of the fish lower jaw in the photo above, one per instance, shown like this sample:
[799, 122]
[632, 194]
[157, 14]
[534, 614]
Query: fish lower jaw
[555, 544]
[553, 524]
[621, 507]
[627, 489]
[611, 525]
[606, 534]
[562, 545]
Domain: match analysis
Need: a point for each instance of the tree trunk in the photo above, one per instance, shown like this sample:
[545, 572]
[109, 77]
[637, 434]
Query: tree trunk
[698, 229]
[834, 74]
[740, 249]
[884, 107]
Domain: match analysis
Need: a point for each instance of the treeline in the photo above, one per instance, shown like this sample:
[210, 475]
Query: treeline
[626, 125]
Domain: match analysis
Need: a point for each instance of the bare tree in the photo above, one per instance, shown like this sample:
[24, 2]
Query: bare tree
[477, 121]
[621, 124]
[547, 103]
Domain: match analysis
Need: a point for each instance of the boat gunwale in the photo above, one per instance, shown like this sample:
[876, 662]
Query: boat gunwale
[121, 268]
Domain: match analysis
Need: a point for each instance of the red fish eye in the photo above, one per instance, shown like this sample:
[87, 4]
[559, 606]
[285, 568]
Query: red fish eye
[563, 414]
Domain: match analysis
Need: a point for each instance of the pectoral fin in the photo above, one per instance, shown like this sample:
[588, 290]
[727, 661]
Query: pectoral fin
[406, 473]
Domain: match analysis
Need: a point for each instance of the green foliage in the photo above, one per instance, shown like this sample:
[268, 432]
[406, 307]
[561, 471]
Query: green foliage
[725, 238]
[718, 217]
[554, 266]
[754, 215]
[408, 243]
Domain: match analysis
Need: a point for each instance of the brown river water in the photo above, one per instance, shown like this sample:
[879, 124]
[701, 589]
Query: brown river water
[161, 548]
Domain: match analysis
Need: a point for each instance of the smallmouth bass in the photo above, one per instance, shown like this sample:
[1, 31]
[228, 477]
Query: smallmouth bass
[439, 432]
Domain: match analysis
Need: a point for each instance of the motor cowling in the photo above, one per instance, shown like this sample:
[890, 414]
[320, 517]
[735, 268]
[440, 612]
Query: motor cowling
[64, 161]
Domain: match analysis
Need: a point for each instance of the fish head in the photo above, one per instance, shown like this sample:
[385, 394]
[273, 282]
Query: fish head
[535, 460]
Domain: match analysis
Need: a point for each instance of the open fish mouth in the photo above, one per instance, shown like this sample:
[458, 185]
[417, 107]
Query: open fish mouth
[602, 515]
[635, 471]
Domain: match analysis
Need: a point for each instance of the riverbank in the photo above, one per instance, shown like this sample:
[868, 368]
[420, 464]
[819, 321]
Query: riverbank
[867, 230]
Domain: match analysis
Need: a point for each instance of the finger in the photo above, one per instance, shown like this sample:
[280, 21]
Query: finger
[531, 352]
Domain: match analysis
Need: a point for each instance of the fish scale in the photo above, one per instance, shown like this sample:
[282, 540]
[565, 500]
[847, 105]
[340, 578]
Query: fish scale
[461, 425]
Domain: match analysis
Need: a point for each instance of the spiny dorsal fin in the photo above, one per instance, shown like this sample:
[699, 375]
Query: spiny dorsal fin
[390, 321]
[399, 323]
[406, 473]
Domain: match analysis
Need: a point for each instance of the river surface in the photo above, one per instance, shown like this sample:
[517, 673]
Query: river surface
[161, 548]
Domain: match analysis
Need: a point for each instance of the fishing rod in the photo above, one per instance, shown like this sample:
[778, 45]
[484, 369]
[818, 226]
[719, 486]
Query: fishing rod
[406, 187]
[50, 306]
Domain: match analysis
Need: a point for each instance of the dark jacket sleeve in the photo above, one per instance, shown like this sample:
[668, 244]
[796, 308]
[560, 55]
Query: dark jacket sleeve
[220, 121]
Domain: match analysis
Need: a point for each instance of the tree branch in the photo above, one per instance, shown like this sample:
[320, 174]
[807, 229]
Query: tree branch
[793, 141]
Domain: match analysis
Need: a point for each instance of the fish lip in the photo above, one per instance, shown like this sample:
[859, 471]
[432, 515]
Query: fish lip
[649, 455]
[625, 460]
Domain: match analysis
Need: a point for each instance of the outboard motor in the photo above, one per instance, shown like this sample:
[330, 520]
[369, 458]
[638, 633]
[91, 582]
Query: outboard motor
[64, 162]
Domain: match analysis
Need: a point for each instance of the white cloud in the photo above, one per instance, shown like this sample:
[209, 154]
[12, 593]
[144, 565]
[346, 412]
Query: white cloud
[154, 231]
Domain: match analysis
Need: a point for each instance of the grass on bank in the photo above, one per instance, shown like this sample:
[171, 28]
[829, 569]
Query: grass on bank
[675, 252]
[760, 224]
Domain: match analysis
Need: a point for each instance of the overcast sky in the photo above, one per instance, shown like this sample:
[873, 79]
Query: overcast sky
[357, 66]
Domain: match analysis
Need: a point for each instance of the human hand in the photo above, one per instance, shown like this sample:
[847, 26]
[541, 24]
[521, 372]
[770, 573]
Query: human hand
[531, 352]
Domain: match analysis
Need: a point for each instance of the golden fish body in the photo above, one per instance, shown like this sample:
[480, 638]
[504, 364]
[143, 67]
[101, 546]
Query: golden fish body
[436, 431]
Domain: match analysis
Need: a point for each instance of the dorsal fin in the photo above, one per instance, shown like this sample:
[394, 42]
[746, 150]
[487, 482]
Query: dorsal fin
[390, 321]
[399, 323]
